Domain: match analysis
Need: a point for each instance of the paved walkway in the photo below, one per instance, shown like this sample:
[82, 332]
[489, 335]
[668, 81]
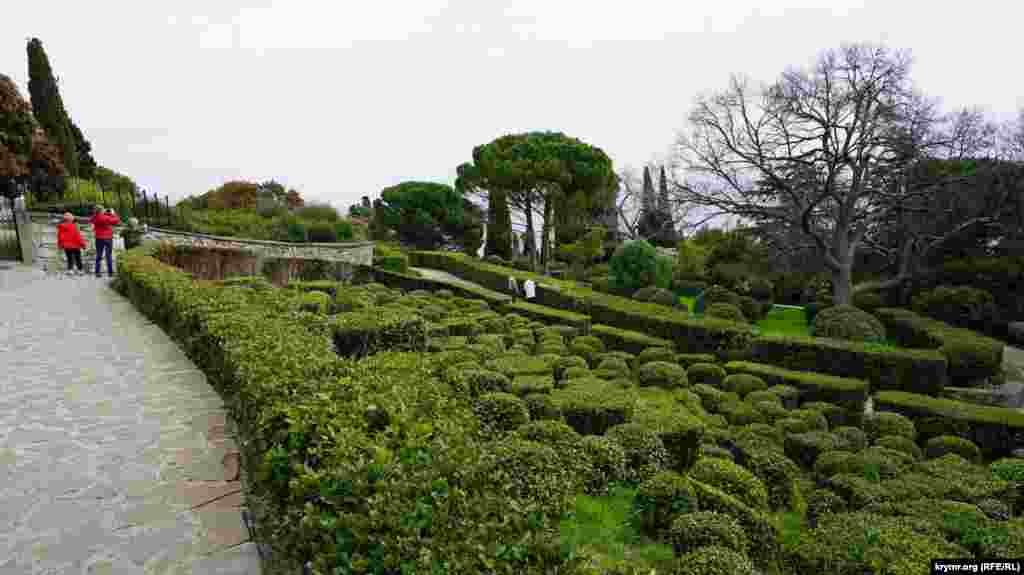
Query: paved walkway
[115, 456]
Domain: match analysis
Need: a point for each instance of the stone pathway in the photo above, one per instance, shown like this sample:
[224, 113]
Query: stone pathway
[115, 453]
[444, 276]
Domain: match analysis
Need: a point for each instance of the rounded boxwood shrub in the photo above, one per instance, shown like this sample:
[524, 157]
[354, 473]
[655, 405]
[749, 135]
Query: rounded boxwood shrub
[821, 501]
[707, 450]
[541, 407]
[530, 472]
[501, 411]
[718, 294]
[607, 463]
[868, 300]
[882, 423]
[963, 306]
[633, 265]
[789, 425]
[552, 433]
[711, 397]
[900, 443]
[732, 479]
[879, 463]
[692, 531]
[725, 311]
[591, 340]
[625, 356]
[656, 354]
[550, 348]
[741, 413]
[771, 411]
[566, 362]
[645, 453]
[832, 462]
[662, 374]
[743, 384]
[688, 359]
[943, 444]
[763, 430]
[752, 309]
[592, 406]
[714, 560]
[654, 294]
[766, 395]
[706, 373]
[1008, 469]
[661, 498]
[848, 322]
[853, 438]
[835, 415]
[481, 381]
[576, 372]
[804, 448]
[613, 365]
[814, 418]
[527, 384]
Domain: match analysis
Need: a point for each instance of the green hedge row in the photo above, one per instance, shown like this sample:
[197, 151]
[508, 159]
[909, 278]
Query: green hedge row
[846, 392]
[971, 356]
[915, 370]
[628, 341]
[996, 430]
[356, 466]
[409, 283]
[696, 336]
[549, 315]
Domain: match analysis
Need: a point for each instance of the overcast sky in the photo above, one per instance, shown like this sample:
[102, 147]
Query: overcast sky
[341, 99]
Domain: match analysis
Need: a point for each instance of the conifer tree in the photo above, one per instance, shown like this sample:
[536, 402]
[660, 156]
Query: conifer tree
[666, 224]
[47, 106]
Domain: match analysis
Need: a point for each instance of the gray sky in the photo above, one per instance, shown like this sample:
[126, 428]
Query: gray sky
[341, 99]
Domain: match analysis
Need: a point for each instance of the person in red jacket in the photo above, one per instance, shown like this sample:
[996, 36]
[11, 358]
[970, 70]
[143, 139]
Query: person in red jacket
[103, 222]
[70, 240]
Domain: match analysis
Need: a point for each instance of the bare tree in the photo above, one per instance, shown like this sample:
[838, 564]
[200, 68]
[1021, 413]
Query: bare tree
[824, 152]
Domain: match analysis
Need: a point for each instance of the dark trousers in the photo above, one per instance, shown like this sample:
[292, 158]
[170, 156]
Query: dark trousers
[105, 246]
[74, 259]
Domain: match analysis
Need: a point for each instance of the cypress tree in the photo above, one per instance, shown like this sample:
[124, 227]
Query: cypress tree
[499, 225]
[47, 106]
[647, 226]
[666, 225]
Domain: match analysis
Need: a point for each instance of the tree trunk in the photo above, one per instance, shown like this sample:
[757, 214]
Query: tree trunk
[531, 237]
[842, 278]
[545, 246]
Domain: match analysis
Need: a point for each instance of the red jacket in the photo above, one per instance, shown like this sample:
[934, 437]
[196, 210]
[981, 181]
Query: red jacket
[103, 225]
[68, 237]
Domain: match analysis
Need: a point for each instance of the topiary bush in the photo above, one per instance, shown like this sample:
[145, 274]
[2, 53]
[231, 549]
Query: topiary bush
[592, 406]
[322, 232]
[662, 374]
[883, 423]
[541, 407]
[607, 463]
[752, 309]
[943, 444]
[501, 411]
[900, 443]
[692, 531]
[962, 306]
[848, 322]
[645, 453]
[1008, 469]
[654, 294]
[661, 498]
[718, 294]
[529, 472]
[705, 373]
[852, 438]
[725, 311]
[712, 398]
[743, 384]
[732, 479]
[656, 354]
[804, 448]
[714, 560]
[612, 368]
[633, 266]
[564, 363]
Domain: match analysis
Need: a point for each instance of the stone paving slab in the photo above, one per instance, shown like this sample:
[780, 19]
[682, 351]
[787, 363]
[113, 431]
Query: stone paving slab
[115, 453]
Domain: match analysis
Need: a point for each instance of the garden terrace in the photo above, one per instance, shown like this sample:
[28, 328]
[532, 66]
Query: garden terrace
[925, 365]
[376, 441]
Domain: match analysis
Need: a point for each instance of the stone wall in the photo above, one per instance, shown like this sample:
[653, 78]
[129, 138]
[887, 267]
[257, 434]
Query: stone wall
[356, 253]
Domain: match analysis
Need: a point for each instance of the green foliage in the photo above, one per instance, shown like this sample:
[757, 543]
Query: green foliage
[318, 212]
[662, 374]
[607, 463]
[719, 294]
[398, 263]
[885, 423]
[654, 294]
[661, 498]
[690, 259]
[725, 311]
[743, 384]
[633, 265]
[900, 443]
[706, 373]
[732, 479]
[692, 531]
[592, 406]
[943, 444]
[424, 214]
[851, 438]
[848, 322]
[48, 107]
[501, 411]
[1008, 469]
[322, 232]
[714, 560]
[963, 306]
[645, 453]
[344, 231]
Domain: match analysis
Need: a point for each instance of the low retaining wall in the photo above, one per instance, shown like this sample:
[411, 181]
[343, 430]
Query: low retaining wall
[356, 253]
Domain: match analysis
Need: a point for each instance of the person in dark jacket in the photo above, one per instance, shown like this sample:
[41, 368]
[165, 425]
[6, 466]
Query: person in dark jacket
[103, 222]
[70, 240]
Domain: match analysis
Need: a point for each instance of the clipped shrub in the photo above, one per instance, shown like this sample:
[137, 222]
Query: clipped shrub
[732, 479]
[555, 434]
[500, 411]
[607, 463]
[848, 322]
[614, 366]
[662, 497]
[789, 425]
[529, 472]
[868, 300]
[478, 381]
[771, 410]
[725, 311]
[692, 531]
[541, 407]
[852, 438]
[718, 294]
[344, 231]
[741, 413]
[688, 359]
[882, 423]
[1008, 469]
[713, 398]
[654, 294]
[315, 302]
[576, 372]
[656, 354]
[752, 309]
[804, 448]
[662, 374]
[398, 263]
[835, 415]
[962, 306]
[322, 232]
[943, 444]
[900, 443]
[564, 363]
[633, 266]
[707, 450]
[764, 543]
[822, 501]
[832, 463]
[592, 406]
[742, 384]
[705, 373]
[645, 453]
[714, 560]
[528, 384]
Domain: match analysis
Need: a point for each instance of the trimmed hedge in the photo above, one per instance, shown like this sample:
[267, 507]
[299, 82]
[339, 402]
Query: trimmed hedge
[970, 356]
[846, 392]
[996, 430]
[549, 315]
[915, 370]
[625, 340]
[407, 282]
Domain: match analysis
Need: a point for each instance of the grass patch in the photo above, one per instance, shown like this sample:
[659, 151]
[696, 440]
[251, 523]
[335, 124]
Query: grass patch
[688, 302]
[785, 321]
[790, 526]
[606, 527]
